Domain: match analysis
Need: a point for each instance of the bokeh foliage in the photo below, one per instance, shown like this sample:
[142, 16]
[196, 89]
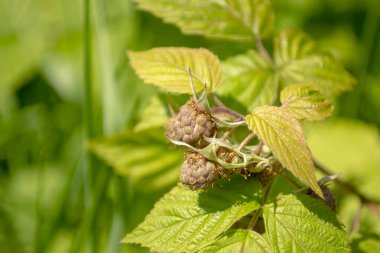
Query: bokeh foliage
[56, 199]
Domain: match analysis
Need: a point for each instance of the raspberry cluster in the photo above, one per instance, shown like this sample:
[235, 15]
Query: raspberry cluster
[193, 126]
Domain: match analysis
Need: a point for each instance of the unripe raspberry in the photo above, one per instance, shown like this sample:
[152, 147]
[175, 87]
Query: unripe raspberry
[197, 172]
[191, 124]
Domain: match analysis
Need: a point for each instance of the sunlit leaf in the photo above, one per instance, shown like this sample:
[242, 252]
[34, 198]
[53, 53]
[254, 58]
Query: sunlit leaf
[249, 78]
[145, 157]
[216, 18]
[303, 224]
[299, 60]
[239, 240]
[169, 68]
[305, 102]
[284, 136]
[185, 220]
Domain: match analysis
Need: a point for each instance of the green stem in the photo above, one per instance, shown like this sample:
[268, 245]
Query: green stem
[258, 212]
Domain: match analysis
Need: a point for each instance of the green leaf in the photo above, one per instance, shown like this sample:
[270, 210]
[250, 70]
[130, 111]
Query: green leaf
[185, 220]
[239, 240]
[230, 19]
[168, 68]
[300, 61]
[299, 223]
[249, 78]
[284, 136]
[305, 102]
[154, 115]
[145, 157]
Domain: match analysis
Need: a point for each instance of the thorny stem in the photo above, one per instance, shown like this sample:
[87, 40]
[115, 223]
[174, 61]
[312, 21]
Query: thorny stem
[246, 140]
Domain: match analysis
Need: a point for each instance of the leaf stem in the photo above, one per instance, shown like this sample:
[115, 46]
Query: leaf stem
[259, 147]
[246, 140]
[229, 111]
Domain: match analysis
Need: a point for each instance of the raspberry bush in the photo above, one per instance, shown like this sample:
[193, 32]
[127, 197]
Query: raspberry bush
[239, 136]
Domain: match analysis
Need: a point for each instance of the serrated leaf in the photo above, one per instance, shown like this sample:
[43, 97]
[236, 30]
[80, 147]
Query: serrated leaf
[299, 223]
[168, 68]
[154, 115]
[284, 136]
[249, 78]
[185, 220]
[145, 157]
[299, 60]
[230, 19]
[239, 240]
[305, 102]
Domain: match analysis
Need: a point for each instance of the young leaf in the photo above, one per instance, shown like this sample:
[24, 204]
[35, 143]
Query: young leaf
[249, 78]
[239, 240]
[169, 67]
[230, 19]
[299, 223]
[144, 157]
[300, 61]
[185, 220]
[305, 102]
[284, 136]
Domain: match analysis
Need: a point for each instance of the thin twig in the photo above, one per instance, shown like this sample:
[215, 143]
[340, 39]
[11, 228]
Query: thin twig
[227, 133]
[259, 148]
[246, 140]
[348, 187]
[356, 221]
[262, 49]
[217, 100]
[229, 111]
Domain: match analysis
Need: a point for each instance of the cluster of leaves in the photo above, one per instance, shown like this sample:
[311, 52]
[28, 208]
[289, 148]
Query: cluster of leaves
[297, 78]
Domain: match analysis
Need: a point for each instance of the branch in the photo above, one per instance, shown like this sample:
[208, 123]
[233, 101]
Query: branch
[346, 186]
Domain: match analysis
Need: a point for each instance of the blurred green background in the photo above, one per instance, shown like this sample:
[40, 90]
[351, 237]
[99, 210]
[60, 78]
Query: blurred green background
[59, 89]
